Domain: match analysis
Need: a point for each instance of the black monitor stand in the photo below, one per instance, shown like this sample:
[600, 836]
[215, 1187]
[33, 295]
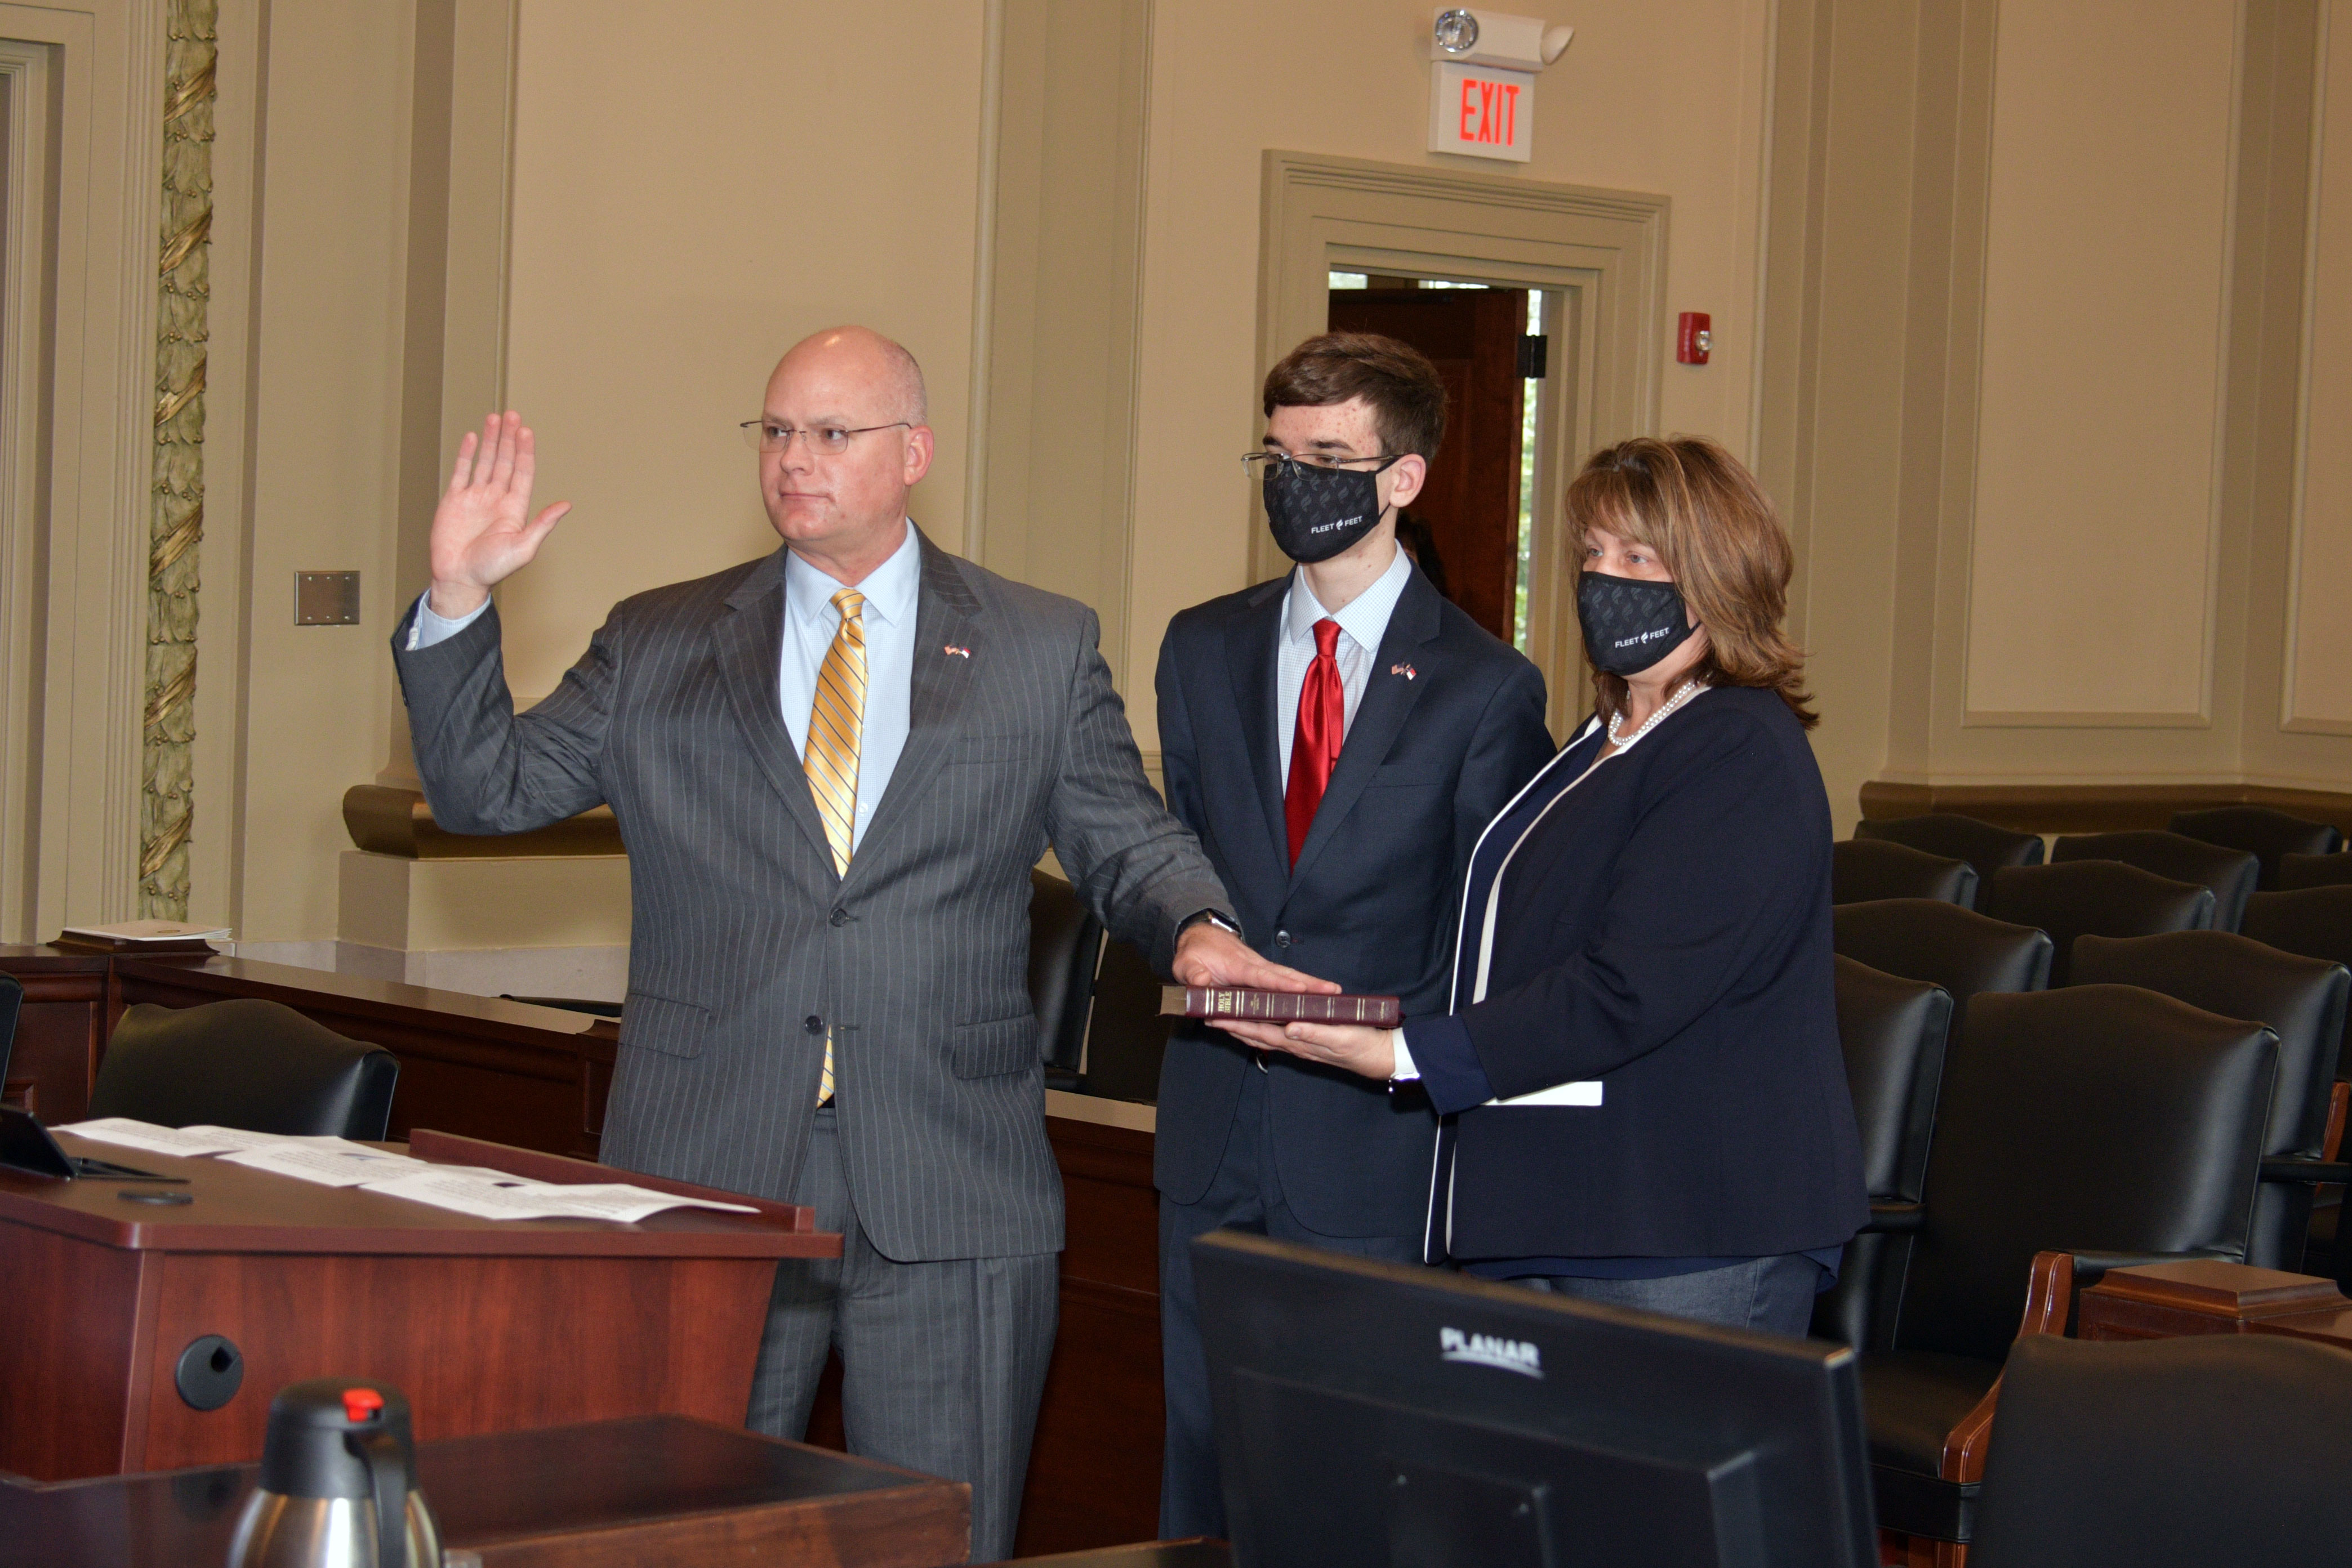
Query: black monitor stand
[26, 1145]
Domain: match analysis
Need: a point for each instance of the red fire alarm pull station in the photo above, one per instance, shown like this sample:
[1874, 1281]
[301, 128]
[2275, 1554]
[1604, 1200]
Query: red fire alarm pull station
[1692, 339]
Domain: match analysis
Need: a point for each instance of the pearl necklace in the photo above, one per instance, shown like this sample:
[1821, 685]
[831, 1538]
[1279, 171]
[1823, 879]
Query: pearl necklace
[1683, 694]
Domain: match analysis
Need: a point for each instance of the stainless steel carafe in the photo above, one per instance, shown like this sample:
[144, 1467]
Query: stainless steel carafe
[338, 1484]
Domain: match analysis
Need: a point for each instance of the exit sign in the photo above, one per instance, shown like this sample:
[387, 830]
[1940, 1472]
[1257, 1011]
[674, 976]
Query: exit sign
[1481, 111]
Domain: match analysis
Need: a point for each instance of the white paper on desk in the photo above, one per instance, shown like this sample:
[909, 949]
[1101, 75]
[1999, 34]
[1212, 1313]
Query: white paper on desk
[149, 931]
[244, 1140]
[485, 1194]
[181, 1141]
[490, 1194]
[330, 1161]
[620, 1201]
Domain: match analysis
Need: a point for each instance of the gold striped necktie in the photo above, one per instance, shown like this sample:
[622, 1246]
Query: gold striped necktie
[835, 721]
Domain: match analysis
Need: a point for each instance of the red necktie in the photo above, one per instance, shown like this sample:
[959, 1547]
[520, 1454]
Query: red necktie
[1322, 726]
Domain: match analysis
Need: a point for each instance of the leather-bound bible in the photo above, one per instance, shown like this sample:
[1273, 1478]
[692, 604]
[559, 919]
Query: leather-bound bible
[1278, 1006]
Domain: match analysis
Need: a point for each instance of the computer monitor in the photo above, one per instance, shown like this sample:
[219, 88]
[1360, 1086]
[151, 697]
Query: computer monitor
[1376, 1414]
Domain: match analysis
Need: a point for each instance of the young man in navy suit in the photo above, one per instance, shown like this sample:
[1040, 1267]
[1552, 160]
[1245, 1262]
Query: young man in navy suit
[1337, 738]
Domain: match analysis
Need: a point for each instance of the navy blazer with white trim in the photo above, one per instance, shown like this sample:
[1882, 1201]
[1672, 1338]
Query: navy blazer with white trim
[1665, 931]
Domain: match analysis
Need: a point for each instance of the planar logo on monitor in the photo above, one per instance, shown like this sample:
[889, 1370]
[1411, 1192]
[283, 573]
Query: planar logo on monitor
[1485, 1350]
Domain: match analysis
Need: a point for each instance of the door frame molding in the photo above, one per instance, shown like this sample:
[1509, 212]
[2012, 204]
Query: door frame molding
[1602, 252]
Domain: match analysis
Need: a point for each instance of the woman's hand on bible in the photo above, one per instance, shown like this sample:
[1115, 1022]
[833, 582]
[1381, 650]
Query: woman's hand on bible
[1356, 1048]
[483, 531]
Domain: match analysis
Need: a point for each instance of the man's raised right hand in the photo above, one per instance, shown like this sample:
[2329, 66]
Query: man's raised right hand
[482, 530]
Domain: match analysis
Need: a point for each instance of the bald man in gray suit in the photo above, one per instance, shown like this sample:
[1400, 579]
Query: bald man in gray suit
[833, 768]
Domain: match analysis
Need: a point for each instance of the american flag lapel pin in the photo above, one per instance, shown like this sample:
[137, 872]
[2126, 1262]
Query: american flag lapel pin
[1404, 670]
[958, 652]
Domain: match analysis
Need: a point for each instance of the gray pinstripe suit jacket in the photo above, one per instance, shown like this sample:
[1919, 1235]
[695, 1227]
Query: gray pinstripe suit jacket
[745, 946]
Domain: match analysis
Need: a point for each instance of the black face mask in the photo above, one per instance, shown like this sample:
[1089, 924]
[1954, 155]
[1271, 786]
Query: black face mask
[1629, 624]
[1317, 512]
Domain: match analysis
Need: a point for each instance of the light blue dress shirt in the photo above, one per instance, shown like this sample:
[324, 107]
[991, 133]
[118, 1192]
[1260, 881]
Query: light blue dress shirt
[810, 622]
[891, 590]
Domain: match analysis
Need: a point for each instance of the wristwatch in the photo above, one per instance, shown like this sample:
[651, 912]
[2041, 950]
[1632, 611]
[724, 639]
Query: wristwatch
[1212, 916]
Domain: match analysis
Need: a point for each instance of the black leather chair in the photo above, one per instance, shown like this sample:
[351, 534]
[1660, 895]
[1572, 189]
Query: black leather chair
[1128, 1035]
[2095, 897]
[1980, 844]
[248, 1064]
[1961, 951]
[2315, 923]
[1894, 1032]
[2302, 999]
[2105, 1120]
[1066, 943]
[2297, 872]
[11, 999]
[1864, 869]
[2220, 1448]
[2264, 834]
[2231, 873]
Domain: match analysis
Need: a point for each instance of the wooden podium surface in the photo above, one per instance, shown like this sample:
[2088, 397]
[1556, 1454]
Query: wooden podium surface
[486, 1325]
[660, 1489]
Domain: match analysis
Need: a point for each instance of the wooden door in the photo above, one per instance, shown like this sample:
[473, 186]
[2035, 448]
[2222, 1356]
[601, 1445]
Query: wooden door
[1472, 500]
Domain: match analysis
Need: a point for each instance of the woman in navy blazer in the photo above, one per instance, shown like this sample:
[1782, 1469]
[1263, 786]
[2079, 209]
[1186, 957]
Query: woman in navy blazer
[1646, 1103]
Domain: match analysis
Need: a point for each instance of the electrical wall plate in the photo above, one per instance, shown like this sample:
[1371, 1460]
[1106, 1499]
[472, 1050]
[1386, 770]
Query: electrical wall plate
[326, 598]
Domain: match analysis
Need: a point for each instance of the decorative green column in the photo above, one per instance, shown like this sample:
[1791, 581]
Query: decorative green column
[176, 518]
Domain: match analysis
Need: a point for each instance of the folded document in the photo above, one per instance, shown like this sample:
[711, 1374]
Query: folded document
[330, 1161]
[340, 1162]
[181, 1141]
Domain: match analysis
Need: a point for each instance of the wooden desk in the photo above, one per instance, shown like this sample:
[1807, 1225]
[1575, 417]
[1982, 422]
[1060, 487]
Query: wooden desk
[537, 1077]
[508, 1072]
[1094, 1467]
[61, 1030]
[2164, 1300]
[487, 1325]
[532, 1077]
[658, 1488]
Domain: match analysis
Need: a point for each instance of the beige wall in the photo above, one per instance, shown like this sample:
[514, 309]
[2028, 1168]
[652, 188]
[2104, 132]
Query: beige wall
[685, 208]
[1995, 287]
[325, 401]
[2090, 580]
[1664, 99]
[2033, 349]
[678, 214]
[1830, 410]
[2319, 695]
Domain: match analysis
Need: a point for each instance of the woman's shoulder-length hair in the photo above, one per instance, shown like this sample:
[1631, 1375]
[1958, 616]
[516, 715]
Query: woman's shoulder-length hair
[1715, 529]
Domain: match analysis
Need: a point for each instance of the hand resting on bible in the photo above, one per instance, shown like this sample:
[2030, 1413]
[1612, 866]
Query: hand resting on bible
[1208, 955]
